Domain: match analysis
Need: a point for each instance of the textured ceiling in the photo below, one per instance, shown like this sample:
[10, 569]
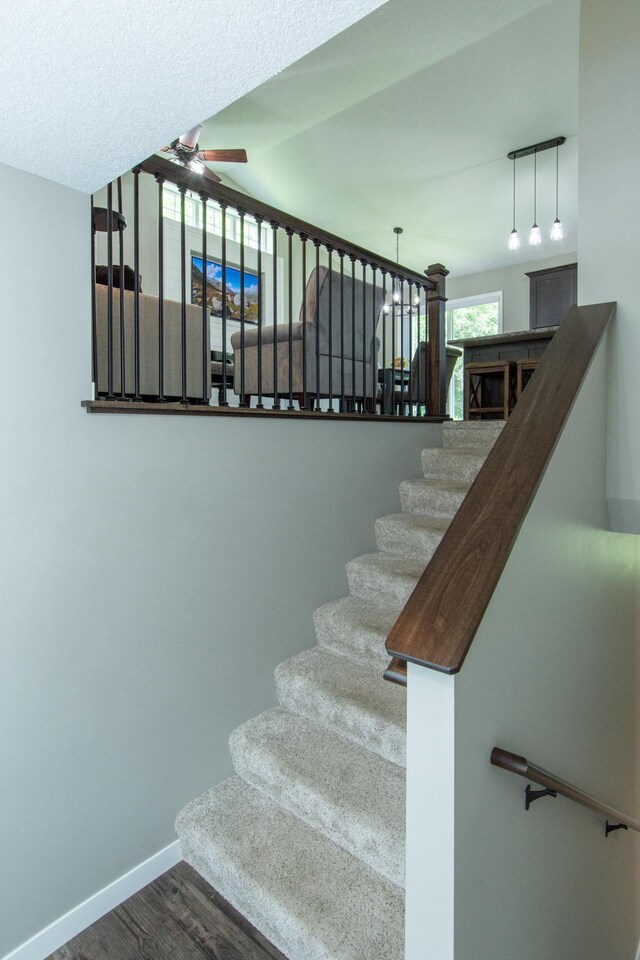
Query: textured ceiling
[89, 88]
[406, 119]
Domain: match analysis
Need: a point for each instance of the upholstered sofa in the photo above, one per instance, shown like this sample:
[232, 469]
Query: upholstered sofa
[149, 347]
[341, 340]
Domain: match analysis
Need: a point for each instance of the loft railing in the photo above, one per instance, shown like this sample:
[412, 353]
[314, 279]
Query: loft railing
[552, 786]
[439, 621]
[248, 309]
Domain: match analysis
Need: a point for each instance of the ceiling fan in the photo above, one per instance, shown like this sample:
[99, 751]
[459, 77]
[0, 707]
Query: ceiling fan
[186, 150]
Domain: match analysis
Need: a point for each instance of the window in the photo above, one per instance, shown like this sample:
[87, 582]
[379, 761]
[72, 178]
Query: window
[478, 316]
[193, 218]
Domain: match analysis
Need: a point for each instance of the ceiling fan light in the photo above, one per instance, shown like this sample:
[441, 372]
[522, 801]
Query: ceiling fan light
[514, 240]
[196, 165]
[535, 237]
[557, 232]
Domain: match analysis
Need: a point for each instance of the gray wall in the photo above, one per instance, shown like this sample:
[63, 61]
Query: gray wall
[154, 571]
[513, 283]
[609, 215]
[550, 675]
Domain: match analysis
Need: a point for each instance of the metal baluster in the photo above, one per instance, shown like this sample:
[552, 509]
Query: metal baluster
[411, 299]
[222, 401]
[316, 244]
[290, 293]
[206, 326]
[330, 289]
[243, 402]
[353, 333]
[374, 353]
[384, 340]
[425, 371]
[342, 402]
[418, 364]
[305, 398]
[94, 334]
[110, 394]
[259, 404]
[136, 296]
[276, 398]
[402, 404]
[394, 345]
[161, 396]
[364, 336]
[183, 293]
[123, 378]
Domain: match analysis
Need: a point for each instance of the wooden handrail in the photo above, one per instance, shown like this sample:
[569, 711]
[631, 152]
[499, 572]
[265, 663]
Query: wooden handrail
[521, 766]
[182, 176]
[438, 623]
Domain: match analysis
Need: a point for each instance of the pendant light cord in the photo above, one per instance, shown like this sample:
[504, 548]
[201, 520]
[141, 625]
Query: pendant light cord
[556, 183]
[514, 193]
[535, 185]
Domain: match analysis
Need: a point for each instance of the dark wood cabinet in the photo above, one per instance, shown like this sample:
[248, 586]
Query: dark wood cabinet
[551, 293]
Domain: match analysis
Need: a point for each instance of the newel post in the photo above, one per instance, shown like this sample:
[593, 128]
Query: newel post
[437, 378]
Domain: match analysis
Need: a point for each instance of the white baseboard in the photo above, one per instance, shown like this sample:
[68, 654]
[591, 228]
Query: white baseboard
[75, 921]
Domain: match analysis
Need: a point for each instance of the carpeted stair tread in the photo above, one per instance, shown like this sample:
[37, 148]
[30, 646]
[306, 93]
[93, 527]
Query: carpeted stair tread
[384, 578]
[411, 535]
[356, 628]
[348, 697]
[471, 433]
[452, 463]
[351, 795]
[438, 498]
[308, 896]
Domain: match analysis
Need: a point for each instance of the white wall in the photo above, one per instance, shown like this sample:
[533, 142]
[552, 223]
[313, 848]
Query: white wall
[513, 283]
[550, 675]
[154, 570]
[609, 214]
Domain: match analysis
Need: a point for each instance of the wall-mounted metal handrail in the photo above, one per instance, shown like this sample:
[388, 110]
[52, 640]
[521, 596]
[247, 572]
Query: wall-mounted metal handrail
[553, 785]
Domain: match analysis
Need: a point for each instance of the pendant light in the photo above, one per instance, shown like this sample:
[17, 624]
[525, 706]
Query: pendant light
[514, 239]
[535, 237]
[396, 294]
[556, 229]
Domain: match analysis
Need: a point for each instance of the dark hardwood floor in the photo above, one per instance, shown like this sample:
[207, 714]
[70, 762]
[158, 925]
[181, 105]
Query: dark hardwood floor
[177, 917]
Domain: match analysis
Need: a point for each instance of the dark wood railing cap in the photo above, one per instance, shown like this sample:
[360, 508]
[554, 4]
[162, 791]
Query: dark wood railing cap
[164, 169]
[441, 617]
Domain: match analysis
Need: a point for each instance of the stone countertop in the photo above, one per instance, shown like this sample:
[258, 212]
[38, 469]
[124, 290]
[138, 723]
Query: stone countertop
[541, 333]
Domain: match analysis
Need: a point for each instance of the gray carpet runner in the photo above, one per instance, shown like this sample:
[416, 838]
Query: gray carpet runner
[307, 840]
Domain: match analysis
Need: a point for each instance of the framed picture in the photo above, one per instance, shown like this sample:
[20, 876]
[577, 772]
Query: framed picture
[209, 284]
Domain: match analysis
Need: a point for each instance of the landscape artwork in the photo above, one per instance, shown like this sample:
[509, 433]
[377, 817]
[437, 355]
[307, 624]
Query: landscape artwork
[215, 296]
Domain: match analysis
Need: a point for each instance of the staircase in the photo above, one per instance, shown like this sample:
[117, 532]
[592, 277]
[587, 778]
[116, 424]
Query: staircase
[307, 840]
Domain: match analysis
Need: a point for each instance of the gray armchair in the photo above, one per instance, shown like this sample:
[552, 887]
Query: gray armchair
[415, 384]
[341, 339]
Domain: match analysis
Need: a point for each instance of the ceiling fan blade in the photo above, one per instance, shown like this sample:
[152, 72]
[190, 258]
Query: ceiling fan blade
[223, 156]
[166, 149]
[211, 175]
[190, 138]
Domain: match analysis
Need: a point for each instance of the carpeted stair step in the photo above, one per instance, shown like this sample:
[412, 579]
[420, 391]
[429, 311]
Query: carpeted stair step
[471, 433]
[356, 628]
[351, 795]
[308, 896]
[410, 535]
[348, 697]
[452, 463]
[384, 578]
[438, 498]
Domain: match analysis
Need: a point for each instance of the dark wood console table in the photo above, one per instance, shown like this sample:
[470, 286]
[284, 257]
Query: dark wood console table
[506, 346]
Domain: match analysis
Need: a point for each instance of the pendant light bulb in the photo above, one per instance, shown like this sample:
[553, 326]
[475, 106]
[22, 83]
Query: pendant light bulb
[557, 232]
[535, 237]
[396, 296]
[514, 240]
